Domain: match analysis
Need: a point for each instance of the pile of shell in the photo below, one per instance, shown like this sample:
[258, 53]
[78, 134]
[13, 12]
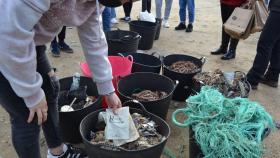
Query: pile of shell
[184, 67]
[148, 95]
[147, 130]
[237, 87]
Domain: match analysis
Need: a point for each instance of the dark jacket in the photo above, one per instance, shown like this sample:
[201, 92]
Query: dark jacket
[274, 5]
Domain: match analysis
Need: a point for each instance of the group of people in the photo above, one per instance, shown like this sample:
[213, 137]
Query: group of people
[29, 86]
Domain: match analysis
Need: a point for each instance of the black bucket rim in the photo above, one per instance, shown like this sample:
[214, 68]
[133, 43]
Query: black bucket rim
[131, 151]
[152, 66]
[202, 60]
[98, 98]
[154, 25]
[175, 83]
[119, 30]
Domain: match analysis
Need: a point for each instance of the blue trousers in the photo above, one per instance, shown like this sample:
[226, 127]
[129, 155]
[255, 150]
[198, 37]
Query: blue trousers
[191, 10]
[106, 19]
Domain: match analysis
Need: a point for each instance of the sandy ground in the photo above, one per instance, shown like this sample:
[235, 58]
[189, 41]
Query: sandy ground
[206, 36]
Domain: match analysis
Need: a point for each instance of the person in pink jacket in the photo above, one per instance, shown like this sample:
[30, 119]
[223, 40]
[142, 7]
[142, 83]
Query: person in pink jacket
[29, 88]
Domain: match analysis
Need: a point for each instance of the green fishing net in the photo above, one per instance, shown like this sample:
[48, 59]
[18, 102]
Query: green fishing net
[223, 127]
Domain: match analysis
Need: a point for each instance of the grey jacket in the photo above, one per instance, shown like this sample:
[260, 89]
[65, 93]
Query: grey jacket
[27, 23]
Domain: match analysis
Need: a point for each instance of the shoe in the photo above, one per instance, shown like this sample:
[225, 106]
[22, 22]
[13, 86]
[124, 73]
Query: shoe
[219, 51]
[269, 83]
[65, 47]
[181, 26]
[70, 152]
[254, 85]
[114, 21]
[125, 19]
[229, 55]
[166, 24]
[189, 28]
[55, 50]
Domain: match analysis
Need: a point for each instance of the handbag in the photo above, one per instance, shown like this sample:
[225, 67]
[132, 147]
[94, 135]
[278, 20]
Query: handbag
[261, 15]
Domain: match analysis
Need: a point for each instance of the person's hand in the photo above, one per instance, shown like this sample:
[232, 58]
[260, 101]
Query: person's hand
[113, 101]
[41, 110]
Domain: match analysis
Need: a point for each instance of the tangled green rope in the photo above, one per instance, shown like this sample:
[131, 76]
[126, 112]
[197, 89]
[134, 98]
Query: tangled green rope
[223, 127]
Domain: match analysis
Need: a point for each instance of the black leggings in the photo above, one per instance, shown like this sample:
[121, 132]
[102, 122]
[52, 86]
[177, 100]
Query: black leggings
[146, 5]
[226, 11]
[25, 136]
[127, 8]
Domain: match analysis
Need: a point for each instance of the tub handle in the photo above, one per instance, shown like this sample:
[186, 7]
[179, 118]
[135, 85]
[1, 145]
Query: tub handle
[203, 60]
[176, 122]
[140, 106]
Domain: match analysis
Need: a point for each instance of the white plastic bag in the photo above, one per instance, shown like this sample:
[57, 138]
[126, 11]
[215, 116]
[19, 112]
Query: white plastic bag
[146, 16]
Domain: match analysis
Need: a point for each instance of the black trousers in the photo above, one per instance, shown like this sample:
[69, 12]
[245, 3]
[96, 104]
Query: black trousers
[61, 36]
[226, 11]
[127, 8]
[268, 51]
[25, 136]
[146, 5]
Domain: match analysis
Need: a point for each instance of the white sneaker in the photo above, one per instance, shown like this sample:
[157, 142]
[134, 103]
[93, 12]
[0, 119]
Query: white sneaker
[114, 21]
[165, 24]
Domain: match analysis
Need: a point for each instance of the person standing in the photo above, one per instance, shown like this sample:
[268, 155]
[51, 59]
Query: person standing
[182, 14]
[113, 16]
[168, 5]
[146, 5]
[228, 52]
[29, 86]
[106, 19]
[61, 45]
[266, 66]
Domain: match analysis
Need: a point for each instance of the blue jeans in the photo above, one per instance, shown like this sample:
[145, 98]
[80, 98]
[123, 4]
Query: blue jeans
[182, 12]
[106, 19]
[113, 13]
[25, 136]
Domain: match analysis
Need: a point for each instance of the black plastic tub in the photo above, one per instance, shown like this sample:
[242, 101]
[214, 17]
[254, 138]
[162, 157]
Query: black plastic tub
[186, 83]
[148, 81]
[147, 31]
[96, 151]
[120, 41]
[69, 121]
[144, 62]
[158, 22]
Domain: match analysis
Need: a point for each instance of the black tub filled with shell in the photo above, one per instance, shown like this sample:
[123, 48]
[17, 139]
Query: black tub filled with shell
[230, 84]
[182, 68]
[153, 132]
[83, 101]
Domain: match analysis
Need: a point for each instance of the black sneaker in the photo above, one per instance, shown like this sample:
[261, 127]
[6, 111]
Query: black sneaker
[65, 47]
[125, 19]
[71, 152]
[55, 50]
[189, 28]
[181, 26]
[269, 82]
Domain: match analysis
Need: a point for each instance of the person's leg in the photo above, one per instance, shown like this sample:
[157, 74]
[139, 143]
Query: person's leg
[182, 10]
[233, 42]
[158, 8]
[61, 41]
[271, 76]
[225, 14]
[127, 10]
[268, 39]
[113, 13]
[25, 136]
[106, 19]
[55, 48]
[149, 5]
[182, 15]
[191, 13]
[168, 6]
